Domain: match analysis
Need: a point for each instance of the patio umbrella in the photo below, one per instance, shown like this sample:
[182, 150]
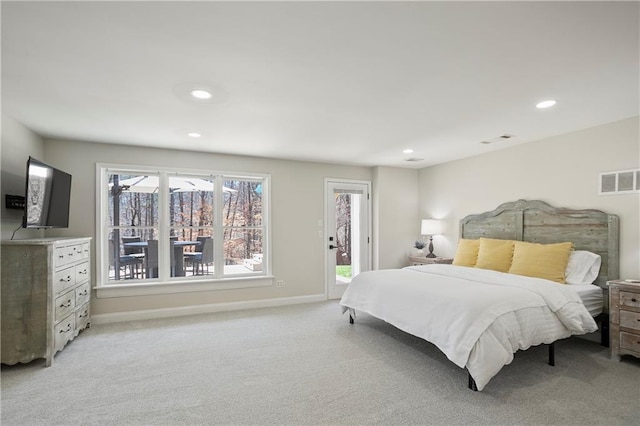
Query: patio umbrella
[150, 184]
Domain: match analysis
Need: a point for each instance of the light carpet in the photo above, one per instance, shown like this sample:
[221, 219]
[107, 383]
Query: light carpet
[305, 364]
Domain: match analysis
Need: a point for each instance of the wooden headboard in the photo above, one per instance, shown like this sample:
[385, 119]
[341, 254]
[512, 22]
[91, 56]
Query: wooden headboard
[538, 222]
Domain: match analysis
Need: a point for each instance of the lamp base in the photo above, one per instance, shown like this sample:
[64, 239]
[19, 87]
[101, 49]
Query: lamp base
[431, 255]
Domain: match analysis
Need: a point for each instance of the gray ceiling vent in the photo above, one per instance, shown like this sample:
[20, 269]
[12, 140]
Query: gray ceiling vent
[414, 159]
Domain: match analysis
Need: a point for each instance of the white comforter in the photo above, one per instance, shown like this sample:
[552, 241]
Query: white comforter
[477, 317]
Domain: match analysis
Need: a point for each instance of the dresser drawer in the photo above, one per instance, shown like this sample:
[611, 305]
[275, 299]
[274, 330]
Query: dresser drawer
[63, 332]
[60, 257]
[83, 294]
[64, 279]
[82, 317]
[630, 320]
[82, 272]
[85, 250]
[74, 252]
[65, 304]
[630, 341]
[67, 254]
[629, 299]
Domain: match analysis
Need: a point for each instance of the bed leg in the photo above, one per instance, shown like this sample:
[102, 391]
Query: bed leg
[352, 315]
[552, 354]
[350, 319]
[472, 384]
[604, 331]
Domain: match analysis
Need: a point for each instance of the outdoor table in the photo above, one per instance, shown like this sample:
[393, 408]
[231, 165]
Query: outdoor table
[178, 247]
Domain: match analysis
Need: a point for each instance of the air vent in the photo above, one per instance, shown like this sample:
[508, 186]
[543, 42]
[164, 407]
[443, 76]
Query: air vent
[413, 159]
[497, 139]
[620, 182]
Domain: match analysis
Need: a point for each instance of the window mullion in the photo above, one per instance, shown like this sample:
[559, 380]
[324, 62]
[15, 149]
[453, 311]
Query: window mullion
[218, 229]
[163, 228]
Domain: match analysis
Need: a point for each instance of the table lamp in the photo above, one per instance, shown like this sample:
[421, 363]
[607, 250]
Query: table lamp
[431, 227]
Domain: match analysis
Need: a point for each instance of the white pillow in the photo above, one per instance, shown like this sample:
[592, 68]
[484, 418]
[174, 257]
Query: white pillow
[583, 267]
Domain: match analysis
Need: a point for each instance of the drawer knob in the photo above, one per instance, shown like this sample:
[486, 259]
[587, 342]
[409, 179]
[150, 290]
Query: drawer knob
[634, 300]
[65, 280]
[67, 330]
[67, 305]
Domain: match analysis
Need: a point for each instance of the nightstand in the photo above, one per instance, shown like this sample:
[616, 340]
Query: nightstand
[421, 260]
[624, 318]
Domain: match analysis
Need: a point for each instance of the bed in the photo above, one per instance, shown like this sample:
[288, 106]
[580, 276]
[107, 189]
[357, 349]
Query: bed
[480, 317]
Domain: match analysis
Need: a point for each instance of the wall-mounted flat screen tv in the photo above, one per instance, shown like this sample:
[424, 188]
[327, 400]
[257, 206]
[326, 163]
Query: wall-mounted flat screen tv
[47, 196]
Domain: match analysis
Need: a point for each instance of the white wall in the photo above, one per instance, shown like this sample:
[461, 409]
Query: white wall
[395, 216]
[18, 143]
[297, 205]
[561, 170]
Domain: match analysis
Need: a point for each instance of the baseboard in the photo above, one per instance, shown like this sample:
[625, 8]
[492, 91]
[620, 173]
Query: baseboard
[202, 309]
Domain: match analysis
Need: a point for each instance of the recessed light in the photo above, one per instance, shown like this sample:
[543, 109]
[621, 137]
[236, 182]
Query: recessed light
[201, 94]
[408, 151]
[194, 134]
[546, 104]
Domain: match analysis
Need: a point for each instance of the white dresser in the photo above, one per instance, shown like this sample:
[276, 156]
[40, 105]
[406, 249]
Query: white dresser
[46, 290]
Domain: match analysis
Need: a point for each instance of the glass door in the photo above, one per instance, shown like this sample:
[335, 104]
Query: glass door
[347, 233]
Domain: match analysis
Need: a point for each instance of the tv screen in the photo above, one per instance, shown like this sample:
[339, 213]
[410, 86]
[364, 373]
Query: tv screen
[47, 196]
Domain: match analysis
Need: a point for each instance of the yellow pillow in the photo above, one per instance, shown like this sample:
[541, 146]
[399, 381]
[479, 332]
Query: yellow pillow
[548, 261]
[495, 254]
[467, 252]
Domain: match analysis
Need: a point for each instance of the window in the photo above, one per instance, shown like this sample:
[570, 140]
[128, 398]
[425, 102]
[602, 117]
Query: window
[163, 226]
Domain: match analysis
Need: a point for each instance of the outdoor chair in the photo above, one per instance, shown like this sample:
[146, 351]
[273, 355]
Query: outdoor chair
[152, 258]
[201, 259]
[123, 261]
[136, 252]
[174, 253]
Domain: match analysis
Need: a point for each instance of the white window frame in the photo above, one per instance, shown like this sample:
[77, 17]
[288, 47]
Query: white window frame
[165, 285]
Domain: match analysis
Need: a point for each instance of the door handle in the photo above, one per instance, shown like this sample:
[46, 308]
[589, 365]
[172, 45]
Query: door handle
[331, 247]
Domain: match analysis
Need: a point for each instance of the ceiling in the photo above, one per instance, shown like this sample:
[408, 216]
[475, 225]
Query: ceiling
[339, 82]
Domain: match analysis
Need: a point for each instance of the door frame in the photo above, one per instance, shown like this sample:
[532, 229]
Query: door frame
[325, 241]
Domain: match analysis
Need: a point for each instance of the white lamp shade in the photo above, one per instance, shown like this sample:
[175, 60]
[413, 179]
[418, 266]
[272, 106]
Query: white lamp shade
[431, 227]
